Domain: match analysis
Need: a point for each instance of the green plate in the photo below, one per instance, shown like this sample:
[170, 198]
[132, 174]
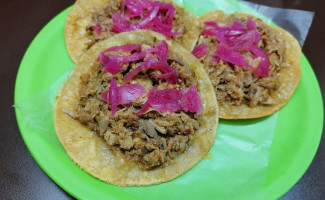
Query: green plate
[251, 159]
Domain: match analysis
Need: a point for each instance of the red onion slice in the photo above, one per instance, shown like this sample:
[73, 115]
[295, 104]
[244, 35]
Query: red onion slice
[262, 69]
[231, 56]
[122, 95]
[200, 50]
[151, 15]
[111, 66]
[191, 101]
[155, 17]
[173, 100]
[98, 29]
[233, 40]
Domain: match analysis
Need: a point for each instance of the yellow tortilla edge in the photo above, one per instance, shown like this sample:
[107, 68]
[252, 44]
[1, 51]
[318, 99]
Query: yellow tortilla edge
[90, 152]
[288, 77]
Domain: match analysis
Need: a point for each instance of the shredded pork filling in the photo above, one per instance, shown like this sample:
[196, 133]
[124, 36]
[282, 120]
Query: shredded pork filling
[237, 85]
[104, 19]
[153, 139]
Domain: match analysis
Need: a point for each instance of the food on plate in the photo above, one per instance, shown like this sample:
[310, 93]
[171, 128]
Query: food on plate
[138, 109]
[91, 21]
[253, 67]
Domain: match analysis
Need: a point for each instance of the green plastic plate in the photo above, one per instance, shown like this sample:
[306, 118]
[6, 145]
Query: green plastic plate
[251, 159]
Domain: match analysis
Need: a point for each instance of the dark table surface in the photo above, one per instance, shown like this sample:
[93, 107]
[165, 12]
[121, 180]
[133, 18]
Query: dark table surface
[20, 20]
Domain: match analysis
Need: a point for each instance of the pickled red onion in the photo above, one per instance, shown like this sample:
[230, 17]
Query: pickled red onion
[150, 15]
[262, 69]
[155, 17]
[112, 62]
[98, 29]
[234, 39]
[169, 73]
[200, 50]
[231, 56]
[173, 100]
[161, 51]
[111, 66]
[120, 95]
[168, 100]
[252, 26]
[146, 105]
[191, 101]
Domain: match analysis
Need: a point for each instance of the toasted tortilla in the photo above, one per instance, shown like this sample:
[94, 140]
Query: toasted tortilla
[90, 151]
[79, 17]
[288, 77]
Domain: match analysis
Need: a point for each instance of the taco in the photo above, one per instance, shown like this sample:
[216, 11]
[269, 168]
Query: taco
[138, 109]
[91, 21]
[253, 67]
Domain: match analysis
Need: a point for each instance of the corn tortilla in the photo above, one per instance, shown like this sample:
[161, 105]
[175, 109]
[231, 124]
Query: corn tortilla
[288, 77]
[80, 16]
[90, 151]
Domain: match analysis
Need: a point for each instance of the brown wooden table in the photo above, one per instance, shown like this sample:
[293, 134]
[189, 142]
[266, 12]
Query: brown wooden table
[20, 21]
